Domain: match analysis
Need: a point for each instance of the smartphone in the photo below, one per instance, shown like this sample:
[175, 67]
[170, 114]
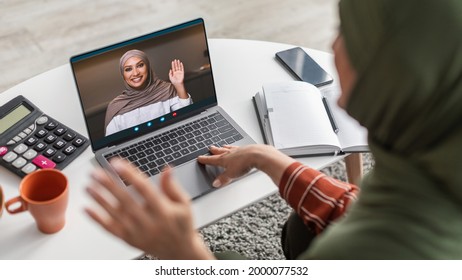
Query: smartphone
[303, 67]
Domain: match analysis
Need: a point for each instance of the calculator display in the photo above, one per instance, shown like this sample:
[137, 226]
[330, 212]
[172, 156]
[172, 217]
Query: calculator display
[13, 117]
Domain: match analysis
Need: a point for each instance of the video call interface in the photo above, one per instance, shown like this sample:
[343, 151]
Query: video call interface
[140, 85]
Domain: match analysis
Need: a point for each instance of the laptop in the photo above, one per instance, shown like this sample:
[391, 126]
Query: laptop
[134, 109]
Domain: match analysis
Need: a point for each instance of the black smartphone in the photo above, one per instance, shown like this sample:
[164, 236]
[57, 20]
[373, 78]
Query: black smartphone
[303, 67]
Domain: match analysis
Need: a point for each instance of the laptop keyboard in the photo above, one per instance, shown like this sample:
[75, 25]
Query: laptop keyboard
[179, 145]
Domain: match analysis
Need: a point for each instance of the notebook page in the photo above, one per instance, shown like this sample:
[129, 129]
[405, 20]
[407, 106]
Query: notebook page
[351, 134]
[297, 115]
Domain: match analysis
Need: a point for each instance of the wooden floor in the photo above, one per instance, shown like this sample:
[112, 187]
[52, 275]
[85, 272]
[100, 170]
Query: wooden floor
[38, 35]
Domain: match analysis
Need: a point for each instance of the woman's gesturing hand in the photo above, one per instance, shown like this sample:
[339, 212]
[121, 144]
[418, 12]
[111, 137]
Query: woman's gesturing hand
[176, 73]
[159, 221]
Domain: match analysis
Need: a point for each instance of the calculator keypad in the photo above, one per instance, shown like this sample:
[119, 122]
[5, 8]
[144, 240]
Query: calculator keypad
[3, 151]
[28, 168]
[46, 143]
[21, 148]
[30, 154]
[19, 162]
[43, 162]
[10, 156]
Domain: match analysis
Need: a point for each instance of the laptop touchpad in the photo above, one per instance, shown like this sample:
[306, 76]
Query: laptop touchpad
[196, 179]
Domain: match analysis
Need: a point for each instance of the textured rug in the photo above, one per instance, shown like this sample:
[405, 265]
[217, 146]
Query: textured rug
[255, 231]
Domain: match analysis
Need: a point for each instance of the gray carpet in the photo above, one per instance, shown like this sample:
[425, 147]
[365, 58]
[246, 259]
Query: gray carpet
[255, 231]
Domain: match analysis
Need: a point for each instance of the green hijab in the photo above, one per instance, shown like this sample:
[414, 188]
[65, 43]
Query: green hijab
[408, 58]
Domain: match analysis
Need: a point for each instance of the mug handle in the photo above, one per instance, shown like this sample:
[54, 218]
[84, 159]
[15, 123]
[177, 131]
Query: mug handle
[21, 208]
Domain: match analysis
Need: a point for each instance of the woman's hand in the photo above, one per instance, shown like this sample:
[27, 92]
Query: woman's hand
[237, 161]
[160, 222]
[233, 159]
[176, 73]
[176, 76]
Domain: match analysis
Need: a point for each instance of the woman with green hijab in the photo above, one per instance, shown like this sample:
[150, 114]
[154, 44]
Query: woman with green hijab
[408, 93]
[400, 71]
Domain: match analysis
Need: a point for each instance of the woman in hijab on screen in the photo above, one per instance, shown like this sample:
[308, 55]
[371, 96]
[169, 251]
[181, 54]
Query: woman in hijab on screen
[400, 71]
[145, 97]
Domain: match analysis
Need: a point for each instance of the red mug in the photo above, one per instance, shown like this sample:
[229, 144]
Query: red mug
[45, 194]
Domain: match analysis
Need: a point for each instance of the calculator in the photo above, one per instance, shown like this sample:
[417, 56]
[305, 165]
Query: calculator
[31, 140]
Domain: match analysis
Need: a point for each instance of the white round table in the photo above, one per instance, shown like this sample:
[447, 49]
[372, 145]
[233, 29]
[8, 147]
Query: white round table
[240, 67]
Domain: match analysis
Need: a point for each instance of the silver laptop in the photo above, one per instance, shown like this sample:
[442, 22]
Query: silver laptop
[135, 106]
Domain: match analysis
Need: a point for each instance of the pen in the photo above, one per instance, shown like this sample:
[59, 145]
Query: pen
[329, 113]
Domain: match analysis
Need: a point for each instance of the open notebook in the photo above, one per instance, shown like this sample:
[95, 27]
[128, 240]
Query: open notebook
[296, 120]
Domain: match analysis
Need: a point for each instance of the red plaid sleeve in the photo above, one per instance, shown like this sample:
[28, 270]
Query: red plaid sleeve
[317, 198]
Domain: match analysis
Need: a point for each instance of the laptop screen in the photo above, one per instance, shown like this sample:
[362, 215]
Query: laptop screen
[137, 86]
